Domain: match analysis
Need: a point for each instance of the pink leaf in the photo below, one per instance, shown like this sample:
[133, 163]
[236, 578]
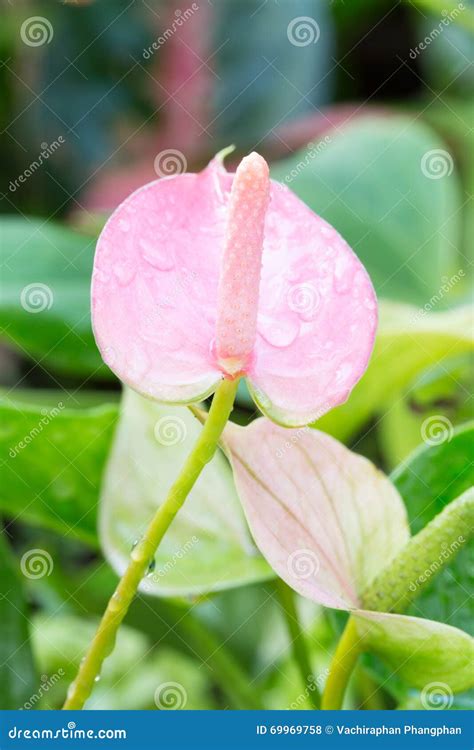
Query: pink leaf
[325, 518]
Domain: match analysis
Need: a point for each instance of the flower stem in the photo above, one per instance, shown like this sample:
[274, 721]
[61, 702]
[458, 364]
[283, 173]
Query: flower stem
[298, 642]
[342, 665]
[104, 640]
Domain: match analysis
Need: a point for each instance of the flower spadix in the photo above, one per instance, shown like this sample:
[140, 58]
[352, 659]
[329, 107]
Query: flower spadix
[199, 277]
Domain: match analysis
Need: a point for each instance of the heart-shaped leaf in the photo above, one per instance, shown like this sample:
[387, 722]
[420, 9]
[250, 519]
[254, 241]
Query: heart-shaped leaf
[325, 518]
[208, 546]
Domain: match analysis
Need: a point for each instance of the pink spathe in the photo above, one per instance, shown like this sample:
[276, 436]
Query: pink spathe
[184, 294]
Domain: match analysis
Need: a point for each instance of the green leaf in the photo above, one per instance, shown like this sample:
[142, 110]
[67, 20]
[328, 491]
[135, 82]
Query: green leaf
[421, 652]
[428, 480]
[407, 343]
[17, 673]
[440, 394]
[372, 180]
[208, 547]
[44, 302]
[52, 460]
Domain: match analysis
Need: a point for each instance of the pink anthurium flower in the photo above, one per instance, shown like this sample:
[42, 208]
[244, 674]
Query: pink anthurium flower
[200, 277]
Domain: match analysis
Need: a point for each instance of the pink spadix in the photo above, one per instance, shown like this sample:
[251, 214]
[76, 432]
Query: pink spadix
[239, 282]
[200, 277]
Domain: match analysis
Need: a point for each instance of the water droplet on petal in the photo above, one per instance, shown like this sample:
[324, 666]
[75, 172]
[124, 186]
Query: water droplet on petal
[124, 272]
[157, 255]
[343, 373]
[369, 303]
[278, 333]
[138, 362]
[343, 275]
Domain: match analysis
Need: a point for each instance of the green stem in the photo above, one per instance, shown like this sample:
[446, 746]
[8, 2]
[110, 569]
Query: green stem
[298, 642]
[104, 640]
[343, 662]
